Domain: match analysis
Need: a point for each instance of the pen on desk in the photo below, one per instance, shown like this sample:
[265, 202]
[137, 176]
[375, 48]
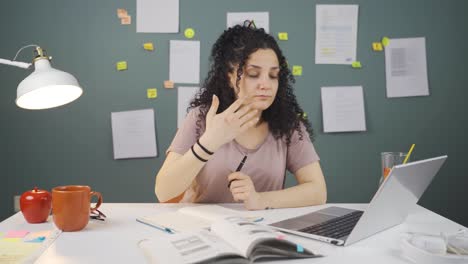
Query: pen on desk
[162, 228]
[241, 164]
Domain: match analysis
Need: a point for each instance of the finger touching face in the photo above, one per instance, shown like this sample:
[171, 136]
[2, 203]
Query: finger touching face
[259, 80]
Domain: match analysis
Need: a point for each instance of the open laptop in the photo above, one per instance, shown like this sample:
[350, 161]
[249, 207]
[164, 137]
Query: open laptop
[389, 207]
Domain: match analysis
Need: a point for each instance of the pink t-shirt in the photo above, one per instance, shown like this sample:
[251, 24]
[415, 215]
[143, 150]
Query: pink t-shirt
[266, 164]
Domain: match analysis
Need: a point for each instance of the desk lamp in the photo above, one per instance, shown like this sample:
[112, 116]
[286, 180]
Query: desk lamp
[46, 87]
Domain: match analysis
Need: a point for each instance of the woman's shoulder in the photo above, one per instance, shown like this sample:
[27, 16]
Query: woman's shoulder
[196, 115]
[297, 134]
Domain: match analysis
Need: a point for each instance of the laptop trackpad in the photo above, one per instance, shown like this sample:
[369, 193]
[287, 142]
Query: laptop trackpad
[311, 219]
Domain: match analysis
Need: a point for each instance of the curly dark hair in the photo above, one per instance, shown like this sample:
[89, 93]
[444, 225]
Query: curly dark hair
[233, 48]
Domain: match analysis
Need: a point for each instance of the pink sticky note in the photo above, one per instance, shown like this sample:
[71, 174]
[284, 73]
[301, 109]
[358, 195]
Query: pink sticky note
[280, 237]
[16, 233]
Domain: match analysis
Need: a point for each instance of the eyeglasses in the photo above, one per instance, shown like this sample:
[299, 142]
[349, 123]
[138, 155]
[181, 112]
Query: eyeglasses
[97, 215]
[250, 24]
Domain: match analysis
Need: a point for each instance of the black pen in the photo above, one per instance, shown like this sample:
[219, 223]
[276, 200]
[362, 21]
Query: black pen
[238, 169]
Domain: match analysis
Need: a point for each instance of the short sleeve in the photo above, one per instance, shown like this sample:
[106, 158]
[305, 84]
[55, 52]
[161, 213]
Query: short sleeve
[186, 135]
[301, 151]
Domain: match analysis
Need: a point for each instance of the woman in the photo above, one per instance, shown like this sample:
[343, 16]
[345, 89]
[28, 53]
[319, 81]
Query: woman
[246, 109]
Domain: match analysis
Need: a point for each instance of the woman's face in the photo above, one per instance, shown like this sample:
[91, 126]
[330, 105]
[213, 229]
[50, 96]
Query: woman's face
[259, 80]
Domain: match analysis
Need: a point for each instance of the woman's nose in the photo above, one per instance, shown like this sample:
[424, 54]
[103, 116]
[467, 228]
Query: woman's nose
[264, 83]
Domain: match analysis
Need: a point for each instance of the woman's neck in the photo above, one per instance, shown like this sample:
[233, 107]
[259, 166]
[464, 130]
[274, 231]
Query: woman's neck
[254, 136]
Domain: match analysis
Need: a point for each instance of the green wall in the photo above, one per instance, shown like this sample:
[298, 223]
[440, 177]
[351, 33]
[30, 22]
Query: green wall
[73, 144]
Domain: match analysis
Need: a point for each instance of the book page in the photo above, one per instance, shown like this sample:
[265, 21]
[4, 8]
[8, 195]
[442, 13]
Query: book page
[186, 248]
[210, 212]
[193, 218]
[176, 221]
[242, 234]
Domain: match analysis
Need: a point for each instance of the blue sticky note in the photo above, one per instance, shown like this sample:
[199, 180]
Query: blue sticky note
[300, 249]
[37, 240]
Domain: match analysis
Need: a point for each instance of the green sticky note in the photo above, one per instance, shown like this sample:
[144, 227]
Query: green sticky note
[152, 93]
[121, 65]
[297, 70]
[148, 46]
[283, 35]
[189, 33]
[12, 239]
[356, 64]
[385, 41]
[377, 46]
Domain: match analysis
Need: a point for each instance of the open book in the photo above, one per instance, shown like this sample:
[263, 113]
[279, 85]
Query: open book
[193, 218]
[231, 240]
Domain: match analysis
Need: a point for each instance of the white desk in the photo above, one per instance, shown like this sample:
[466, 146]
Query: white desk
[115, 240]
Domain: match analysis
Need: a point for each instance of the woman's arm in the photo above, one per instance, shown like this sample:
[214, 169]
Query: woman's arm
[311, 190]
[177, 173]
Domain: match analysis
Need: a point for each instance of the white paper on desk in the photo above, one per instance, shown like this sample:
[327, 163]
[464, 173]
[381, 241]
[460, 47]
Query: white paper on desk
[133, 134]
[405, 67]
[157, 16]
[261, 19]
[336, 34]
[343, 109]
[184, 61]
[184, 96]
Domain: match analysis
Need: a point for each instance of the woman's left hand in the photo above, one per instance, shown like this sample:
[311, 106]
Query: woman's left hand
[243, 189]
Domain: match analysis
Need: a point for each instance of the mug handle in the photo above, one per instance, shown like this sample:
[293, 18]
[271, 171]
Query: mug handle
[99, 202]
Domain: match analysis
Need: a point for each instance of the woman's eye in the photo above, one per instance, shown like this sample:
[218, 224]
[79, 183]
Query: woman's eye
[252, 75]
[274, 76]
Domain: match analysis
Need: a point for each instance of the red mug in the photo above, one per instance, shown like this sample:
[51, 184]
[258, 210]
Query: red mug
[71, 206]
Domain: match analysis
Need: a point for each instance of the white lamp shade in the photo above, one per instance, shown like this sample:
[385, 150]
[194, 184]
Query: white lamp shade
[47, 87]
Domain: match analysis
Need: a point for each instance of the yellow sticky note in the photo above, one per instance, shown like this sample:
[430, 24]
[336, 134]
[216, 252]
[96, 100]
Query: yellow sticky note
[385, 41]
[148, 46]
[121, 65]
[126, 20]
[121, 12]
[152, 93]
[189, 33]
[283, 35]
[297, 70]
[356, 64]
[377, 46]
[12, 239]
[168, 84]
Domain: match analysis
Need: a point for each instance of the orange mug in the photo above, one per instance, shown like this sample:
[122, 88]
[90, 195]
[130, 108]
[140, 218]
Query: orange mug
[71, 206]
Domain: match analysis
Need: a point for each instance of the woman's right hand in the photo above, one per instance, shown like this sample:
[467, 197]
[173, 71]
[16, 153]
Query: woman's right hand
[224, 127]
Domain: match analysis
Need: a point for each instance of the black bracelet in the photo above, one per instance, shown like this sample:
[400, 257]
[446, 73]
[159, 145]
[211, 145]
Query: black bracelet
[204, 149]
[198, 157]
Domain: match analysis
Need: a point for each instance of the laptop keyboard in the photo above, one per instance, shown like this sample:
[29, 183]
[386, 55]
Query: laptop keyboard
[335, 228]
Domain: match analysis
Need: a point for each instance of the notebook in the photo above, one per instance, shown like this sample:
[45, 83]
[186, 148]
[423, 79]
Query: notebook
[193, 218]
[231, 240]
